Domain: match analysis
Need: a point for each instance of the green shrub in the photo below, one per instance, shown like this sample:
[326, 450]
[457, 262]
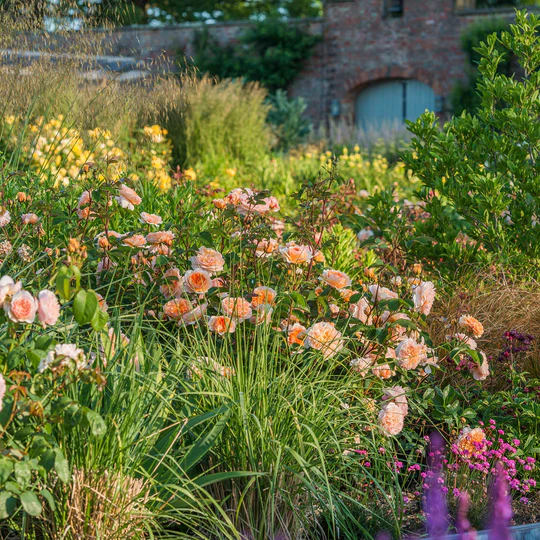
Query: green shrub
[464, 96]
[210, 120]
[480, 173]
[271, 52]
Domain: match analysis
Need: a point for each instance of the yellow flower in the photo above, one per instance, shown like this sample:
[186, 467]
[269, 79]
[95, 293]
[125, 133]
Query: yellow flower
[231, 172]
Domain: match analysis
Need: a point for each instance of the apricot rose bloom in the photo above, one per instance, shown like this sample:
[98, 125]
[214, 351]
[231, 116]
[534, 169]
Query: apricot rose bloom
[379, 293]
[391, 419]
[208, 260]
[48, 308]
[263, 295]
[397, 395]
[471, 441]
[197, 281]
[160, 237]
[336, 279]
[362, 365]
[176, 308]
[324, 337]
[423, 297]
[480, 372]
[22, 308]
[29, 219]
[383, 371]
[358, 310]
[472, 325]
[238, 308]
[410, 354]
[173, 283]
[293, 253]
[221, 325]
[266, 247]
[127, 197]
[150, 219]
[134, 241]
[296, 334]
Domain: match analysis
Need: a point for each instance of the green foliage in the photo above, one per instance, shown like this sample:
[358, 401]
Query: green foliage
[271, 52]
[464, 96]
[286, 117]
[480, 174]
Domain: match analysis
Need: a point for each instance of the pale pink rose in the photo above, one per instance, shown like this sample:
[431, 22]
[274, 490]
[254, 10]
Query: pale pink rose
[364, 235]
[336, 279]
[134, 241]
[263, 295]
[423, 297]
[192, 316]
[2, 391]
[150, 219]
[22, 308]
[221, 325]
[397, 395]
[324, 337]
[208, 260]
[411, 354]
[238, 308]
[471, 325]
[480, 372]
[173, 283]
[8, 288]
[391, 419]
[197, 281]
[360, 310]
[29, 219]
[379, 293]
[127, 197]
[362, 365]
[5, 218]
[63, 354]
[292, 253]
[266, 247]
[383, 371]
[48, 308]
[466, 340]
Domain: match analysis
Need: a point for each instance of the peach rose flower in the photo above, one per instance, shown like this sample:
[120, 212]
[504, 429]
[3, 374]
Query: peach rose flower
[362, 365]
[173, 283]
[176, 308]
[324, 337]
[391, 419]
[48, 308]
[471, 441]
[411, 354]
[360, 310]
[383, 371]
[160, 237]
[22, 308]
[465, 339]
[379, 293]
[150, 219]
[266, 247]
[238, 308]
[423, 297]
[197, 281]
[208, 260]
[127, 197]
[397, 395]
[296, 334]
[263, 295]
[29, 219]
[193, 315]
[220, 204]
[262, 314]
[292, 253]
[336, 279]
[472, 325]
[135, 241]
[317, 256]
[221, 325]
[480, 372]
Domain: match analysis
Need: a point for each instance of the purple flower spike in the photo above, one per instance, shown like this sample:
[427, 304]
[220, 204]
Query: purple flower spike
[463, 525]
[435, 509]
[501, 510]
[383, 536]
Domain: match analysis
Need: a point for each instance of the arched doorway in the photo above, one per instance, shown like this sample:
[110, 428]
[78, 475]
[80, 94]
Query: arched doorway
[392, 102]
